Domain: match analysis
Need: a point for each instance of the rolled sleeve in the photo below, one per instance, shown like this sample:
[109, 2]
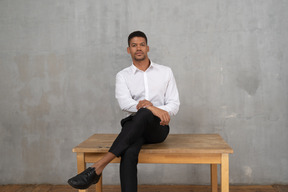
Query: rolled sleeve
[123, 95]
[171, 100]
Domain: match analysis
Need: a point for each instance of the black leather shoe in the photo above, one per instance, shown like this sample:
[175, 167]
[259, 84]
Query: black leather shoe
[85, 179]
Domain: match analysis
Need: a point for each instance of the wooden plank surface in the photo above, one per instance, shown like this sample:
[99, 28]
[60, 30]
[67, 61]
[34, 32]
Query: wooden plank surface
[143, 188]
[175, 143]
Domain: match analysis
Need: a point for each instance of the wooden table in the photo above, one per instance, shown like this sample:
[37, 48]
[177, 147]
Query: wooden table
[176, 149]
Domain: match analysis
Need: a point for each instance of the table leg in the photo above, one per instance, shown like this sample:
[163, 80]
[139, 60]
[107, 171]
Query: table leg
[225, 173]
[214, 179]
[81, 165]
[99, 184]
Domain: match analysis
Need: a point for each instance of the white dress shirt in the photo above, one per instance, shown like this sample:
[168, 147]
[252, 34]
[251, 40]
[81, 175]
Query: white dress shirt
[156, 84]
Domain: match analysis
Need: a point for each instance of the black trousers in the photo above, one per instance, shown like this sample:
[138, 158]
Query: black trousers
[142, 128]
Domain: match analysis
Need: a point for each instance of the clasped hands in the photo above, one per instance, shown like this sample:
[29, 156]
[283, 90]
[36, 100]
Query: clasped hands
[162, 114]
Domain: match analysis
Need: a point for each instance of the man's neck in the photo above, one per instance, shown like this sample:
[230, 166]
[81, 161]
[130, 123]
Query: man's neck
[142, 65]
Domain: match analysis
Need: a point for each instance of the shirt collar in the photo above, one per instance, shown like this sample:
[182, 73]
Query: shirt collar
[135, 69]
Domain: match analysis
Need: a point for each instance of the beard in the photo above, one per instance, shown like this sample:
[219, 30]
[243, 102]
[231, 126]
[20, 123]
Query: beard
[139, 58]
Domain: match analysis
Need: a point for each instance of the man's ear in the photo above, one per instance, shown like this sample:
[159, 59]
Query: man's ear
[128, 50]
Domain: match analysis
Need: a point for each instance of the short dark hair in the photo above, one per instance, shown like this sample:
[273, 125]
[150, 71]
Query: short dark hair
[137, 34]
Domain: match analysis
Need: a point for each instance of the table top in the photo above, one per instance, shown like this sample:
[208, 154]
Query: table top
[175, 143]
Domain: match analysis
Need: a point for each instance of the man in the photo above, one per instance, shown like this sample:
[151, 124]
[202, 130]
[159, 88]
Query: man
[148, 92]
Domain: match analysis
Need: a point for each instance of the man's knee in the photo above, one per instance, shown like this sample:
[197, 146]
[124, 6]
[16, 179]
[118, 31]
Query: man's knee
[144, 113]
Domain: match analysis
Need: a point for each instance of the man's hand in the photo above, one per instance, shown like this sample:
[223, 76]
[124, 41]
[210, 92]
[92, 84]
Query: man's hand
[162, 114]
[143, 103]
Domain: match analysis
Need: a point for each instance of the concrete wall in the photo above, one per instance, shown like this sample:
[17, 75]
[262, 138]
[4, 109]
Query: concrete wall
[58, 61]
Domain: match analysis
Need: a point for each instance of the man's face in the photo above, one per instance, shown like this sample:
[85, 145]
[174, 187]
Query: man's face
[138, 48]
